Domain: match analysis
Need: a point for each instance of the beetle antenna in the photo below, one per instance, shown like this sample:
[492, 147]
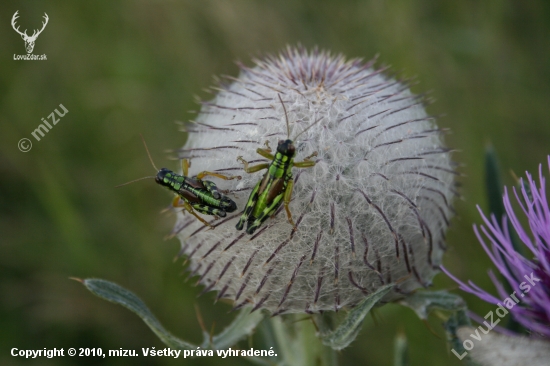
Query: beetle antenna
[135, 180]
[150, 159]
[148, 154]
[286, 117]
[307, 128]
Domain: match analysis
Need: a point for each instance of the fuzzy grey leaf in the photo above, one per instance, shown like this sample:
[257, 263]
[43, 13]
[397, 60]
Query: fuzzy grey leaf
[114, 293]
[423, 302]
[346, 332]
[243, 325]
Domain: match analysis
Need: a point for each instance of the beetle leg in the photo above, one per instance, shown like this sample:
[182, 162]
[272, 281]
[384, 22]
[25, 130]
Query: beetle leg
[254, 168]
[208, 210]
[185, 164]
[212, 188]
[176, 202]
[269, 211]
[189, 208]
[306, 163]
[266, 153]
[311, 156]
[224, 177]
[287, 197]
[249, 207]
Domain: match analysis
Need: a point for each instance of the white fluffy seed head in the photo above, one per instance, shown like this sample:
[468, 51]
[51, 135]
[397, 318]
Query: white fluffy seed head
[373, 210]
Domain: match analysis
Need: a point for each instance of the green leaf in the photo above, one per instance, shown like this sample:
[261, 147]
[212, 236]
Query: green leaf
[347, 331]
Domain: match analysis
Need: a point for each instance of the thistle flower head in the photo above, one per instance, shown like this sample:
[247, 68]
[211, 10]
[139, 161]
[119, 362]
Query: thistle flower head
[528, 276]
[372, 210]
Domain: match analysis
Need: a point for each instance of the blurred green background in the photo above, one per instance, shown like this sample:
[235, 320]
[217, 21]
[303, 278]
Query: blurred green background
[127, 67]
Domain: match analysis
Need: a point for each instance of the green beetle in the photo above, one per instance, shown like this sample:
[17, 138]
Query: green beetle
[275, 187]
[193, 193]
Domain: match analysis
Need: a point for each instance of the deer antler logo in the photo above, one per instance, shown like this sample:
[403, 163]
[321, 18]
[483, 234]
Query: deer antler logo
[29, 40]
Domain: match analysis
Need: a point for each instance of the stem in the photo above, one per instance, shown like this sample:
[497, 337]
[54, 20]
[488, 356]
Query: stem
[297, 343]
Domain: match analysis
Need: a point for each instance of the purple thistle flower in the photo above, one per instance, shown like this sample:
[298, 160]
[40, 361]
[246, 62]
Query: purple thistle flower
[529, 278]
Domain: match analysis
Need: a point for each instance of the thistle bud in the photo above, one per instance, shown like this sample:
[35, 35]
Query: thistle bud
[373, 209]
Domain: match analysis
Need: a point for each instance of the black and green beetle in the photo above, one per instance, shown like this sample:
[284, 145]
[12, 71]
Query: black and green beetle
[194, 193]
[275, 187]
